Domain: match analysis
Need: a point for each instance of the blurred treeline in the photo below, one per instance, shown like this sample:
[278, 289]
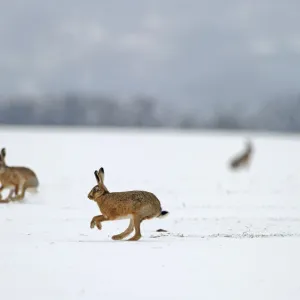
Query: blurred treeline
[281, 114]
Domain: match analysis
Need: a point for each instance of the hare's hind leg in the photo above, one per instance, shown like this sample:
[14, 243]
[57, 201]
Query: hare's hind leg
[97, 221]
[137, 226]
[18, 197]
[125, 233]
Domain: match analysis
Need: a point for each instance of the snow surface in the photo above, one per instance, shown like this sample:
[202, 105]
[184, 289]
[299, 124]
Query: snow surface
[231, 235]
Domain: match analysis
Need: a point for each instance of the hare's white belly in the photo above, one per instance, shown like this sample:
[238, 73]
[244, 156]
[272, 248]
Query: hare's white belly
[124, 217]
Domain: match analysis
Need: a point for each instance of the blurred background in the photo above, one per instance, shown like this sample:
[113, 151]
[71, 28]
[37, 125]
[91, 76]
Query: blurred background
[179, 64]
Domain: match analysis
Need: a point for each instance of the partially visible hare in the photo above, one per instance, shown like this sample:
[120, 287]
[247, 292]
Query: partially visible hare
[10, 179]
[243, 159]
[134, 205]
[21, 178]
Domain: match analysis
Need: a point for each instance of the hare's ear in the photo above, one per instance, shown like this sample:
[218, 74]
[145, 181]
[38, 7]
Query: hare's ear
[101, 174]
[101, 180]
[3, 152]
[96, 175]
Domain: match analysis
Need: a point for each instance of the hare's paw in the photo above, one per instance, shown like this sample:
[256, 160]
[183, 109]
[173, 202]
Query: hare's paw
[99, 226]
[94, 222]
[117, 237]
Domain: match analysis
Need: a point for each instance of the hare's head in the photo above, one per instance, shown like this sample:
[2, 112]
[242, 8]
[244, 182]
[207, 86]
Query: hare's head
[99, 189]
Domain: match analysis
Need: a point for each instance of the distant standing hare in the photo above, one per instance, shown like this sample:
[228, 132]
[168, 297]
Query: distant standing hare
[134, 205]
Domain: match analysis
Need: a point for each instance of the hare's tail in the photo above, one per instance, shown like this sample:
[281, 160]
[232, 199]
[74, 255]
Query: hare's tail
[32, 190]
[163, 214]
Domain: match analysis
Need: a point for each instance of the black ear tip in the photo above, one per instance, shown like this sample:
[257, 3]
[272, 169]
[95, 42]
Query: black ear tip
[96, 175]
[101, 170]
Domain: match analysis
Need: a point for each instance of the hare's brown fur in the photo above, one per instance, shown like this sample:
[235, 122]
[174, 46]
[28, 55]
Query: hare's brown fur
[134, 205]
[244, 158]
[21, 178]
[30, 177]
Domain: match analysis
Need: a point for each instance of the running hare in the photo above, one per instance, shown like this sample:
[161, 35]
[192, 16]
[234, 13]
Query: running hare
[19, 178]
[243, 159]
[134, 205]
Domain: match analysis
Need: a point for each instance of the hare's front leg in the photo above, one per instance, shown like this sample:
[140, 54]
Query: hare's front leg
[97, 221]
[8, 198]
[3, 200]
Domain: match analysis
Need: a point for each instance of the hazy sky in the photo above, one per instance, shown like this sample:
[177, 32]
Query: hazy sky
[197, 51]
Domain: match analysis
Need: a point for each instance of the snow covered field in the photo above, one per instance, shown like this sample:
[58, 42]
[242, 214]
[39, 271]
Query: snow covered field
[230, 235]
